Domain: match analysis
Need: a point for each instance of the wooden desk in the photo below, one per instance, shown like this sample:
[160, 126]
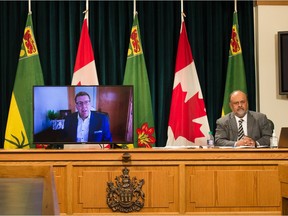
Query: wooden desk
[190, 181]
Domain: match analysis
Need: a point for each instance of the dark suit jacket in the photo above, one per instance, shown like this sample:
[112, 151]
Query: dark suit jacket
[258, 128]
[99, 127]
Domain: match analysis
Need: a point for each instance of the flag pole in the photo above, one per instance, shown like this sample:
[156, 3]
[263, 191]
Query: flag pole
[235, 5]
[134, 8]
[29, 7]
[182, 11]
[182, 17]
[86, 13]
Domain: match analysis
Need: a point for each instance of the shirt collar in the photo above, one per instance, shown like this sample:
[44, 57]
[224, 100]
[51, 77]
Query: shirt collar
[244, 118]
[79, 118]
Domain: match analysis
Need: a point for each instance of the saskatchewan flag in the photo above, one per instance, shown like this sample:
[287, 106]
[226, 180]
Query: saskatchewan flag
[20, 121]
[236, 79]
[136, 75]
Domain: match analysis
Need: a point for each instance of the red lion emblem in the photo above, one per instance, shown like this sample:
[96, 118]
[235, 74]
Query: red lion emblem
[135, 41]
[29, 42]
[235, 43]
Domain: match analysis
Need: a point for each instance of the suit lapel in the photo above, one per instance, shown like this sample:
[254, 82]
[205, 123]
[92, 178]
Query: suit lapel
[91, 126]
[234, 126]
[250, 124]
[74, 126]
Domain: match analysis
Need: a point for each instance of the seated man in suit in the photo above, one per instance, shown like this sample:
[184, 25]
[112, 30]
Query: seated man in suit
[86, 125]
[256, 129]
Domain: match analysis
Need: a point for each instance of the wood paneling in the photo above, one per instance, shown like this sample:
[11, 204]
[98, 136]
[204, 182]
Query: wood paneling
[283, 176]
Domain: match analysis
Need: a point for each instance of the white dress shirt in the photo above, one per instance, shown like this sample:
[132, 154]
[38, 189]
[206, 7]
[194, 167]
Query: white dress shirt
[83, 129]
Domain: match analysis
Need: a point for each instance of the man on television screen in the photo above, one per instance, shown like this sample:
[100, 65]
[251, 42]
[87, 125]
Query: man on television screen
[86, 125]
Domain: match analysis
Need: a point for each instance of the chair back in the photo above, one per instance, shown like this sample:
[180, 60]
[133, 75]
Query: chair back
[271, 124]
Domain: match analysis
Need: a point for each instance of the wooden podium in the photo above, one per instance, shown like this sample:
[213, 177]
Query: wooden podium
[283, 177]
[27, 190]
[177, 181]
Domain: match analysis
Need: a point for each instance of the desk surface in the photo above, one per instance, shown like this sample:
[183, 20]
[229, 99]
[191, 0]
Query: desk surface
[143, 154]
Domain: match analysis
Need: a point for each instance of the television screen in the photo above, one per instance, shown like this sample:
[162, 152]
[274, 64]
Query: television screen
[282, 62]
[82, 114]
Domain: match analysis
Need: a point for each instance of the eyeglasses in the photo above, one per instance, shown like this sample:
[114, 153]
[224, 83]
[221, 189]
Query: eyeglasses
[237, 103]
[81, 103]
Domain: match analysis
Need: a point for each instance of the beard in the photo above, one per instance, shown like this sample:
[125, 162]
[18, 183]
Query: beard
[240, 112]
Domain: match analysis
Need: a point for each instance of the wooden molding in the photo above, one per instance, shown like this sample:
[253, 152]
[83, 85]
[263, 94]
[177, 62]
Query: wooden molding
[269, 2]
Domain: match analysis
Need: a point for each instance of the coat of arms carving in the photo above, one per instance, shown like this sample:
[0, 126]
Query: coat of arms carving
[126, 194]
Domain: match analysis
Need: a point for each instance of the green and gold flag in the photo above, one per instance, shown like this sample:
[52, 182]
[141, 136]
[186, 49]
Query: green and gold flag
[19, 127]
[136, 75]
[236, 78]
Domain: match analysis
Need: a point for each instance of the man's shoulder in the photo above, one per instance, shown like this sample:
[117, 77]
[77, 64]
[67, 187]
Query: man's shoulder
[72, 115]
[256, 114]
[98, 113]
[226, 117]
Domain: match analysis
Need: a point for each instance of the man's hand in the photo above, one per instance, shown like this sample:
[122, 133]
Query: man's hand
[246, 141]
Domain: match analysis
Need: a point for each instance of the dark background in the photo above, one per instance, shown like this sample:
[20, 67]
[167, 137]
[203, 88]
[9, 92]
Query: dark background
[57, 26]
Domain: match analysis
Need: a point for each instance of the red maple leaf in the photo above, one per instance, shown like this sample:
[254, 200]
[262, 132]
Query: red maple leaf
[183, 113]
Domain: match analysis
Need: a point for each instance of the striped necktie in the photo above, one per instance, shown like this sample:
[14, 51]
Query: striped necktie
[240, 129]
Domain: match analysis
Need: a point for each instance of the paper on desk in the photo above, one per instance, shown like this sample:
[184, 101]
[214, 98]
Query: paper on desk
[236, 147]
[181, 147]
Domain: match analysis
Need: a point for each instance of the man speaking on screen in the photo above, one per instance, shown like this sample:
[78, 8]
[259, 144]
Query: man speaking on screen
[86, 125]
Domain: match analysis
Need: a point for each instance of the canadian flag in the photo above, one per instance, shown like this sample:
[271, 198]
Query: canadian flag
[188, 124]
[85, 69]
[85, 72]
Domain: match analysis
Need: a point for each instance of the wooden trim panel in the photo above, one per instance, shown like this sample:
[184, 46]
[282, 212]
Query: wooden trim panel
[268, 2]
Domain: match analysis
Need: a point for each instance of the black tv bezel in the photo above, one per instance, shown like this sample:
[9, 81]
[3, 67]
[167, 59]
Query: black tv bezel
[282, 64]
[60, 145]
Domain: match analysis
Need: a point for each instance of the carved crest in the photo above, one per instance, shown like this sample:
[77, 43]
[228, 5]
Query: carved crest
[125, 195]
